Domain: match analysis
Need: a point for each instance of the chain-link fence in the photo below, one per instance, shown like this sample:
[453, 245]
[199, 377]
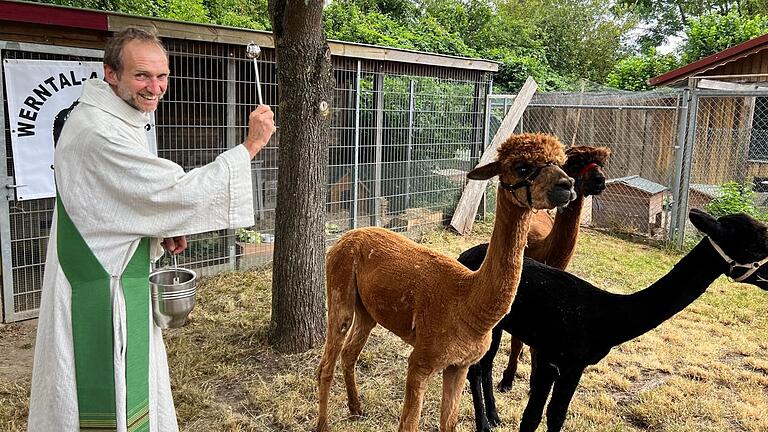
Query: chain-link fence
[639, 128]
[724, 168]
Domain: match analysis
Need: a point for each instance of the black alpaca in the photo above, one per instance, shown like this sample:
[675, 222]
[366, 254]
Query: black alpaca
[572, 324]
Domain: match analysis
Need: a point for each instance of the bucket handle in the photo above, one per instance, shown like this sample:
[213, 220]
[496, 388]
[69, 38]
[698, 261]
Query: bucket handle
[174, 265]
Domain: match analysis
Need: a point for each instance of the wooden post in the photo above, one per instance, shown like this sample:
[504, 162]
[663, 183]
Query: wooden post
[466, 210]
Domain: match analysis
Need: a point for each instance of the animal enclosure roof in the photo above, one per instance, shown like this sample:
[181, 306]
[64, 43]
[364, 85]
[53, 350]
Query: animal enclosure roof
[639, 183]
[712, 191]
[728, 55]
[83, 19]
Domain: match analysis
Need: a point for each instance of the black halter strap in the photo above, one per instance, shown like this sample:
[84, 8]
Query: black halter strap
[527, 182]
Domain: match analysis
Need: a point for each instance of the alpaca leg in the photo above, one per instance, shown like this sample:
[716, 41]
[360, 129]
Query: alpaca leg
[515, 347]
[453, 384]
[565, 387]
[415, 387]
[481, 385]
[475, 387]
[341, 302]
[361, 329]
[486, 367]
[541, 385]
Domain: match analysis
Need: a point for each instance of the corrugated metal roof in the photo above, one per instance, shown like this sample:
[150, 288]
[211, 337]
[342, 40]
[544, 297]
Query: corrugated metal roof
[727, 55]
[637, 182]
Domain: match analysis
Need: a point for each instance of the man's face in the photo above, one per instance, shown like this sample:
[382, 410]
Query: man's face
[144, 78]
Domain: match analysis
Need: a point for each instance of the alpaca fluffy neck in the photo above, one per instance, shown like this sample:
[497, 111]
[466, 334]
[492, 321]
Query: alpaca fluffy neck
[561, 241]
[495, 283]
[644, 310]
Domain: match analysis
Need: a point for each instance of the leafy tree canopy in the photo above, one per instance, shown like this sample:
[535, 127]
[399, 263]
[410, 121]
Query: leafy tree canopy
[633, 73]
[556, 41]
[714, 32]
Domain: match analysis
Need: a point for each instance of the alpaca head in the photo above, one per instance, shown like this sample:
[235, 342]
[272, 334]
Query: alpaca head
[585, 165]
[742, 239]
[528, 167]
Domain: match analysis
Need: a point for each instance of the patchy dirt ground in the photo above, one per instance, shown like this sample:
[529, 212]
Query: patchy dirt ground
[17, 345]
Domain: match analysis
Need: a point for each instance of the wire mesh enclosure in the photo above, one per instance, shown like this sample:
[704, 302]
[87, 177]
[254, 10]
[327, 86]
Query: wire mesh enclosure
[404, 136]
[403, 144]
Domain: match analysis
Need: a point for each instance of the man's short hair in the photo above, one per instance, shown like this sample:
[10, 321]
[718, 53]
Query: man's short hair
[113, 52]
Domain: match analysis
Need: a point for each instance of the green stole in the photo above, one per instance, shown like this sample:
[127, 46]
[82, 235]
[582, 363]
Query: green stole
[92, 330]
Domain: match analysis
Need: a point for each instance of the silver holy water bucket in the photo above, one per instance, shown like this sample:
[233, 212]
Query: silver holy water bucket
[173, 292]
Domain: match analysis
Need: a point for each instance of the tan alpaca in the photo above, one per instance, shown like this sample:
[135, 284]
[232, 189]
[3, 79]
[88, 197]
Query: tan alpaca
[429, 300]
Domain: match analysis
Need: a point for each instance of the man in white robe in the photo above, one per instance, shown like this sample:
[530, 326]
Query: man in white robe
[122, 201]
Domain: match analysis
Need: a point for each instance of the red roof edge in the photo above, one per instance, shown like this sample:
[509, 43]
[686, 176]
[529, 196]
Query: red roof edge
[51, 15]
[723, 55]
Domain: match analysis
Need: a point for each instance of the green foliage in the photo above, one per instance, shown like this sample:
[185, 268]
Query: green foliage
[234, 13]
[348, 21]
[252, 14]
[555, 41]
[515, 68]
[633, 73]
[713, 33]
[735, 198]
[186, 10]
[245, 235]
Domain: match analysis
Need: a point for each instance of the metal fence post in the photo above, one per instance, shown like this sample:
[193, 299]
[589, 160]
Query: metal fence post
[409, 150]
[678, 148]
[685, 177]
[378, 97]
[231, 141]
[6, 296]
[486, 137]
[356, 149]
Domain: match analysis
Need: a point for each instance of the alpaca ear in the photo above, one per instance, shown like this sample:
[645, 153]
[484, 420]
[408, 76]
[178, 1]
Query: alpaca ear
[704, 222]
[485, 172]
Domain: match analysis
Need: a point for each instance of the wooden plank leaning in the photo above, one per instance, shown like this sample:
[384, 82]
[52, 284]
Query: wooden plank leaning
[466, 210]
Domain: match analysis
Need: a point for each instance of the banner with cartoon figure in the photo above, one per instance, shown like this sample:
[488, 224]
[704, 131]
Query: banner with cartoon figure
[38, 92]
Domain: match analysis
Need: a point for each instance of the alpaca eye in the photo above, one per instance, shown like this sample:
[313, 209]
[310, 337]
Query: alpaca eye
[524, 169]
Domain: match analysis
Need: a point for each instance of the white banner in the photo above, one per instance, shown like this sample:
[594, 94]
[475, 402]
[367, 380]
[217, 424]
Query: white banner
[38, 90]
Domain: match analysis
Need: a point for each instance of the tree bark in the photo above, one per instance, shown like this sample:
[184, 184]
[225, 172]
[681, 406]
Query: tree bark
[305, 83]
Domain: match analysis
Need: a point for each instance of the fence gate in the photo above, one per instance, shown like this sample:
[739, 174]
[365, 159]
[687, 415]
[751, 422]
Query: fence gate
[725, 152]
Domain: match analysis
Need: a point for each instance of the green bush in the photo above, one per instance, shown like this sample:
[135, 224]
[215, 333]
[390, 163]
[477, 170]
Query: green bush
[735, 198]
[633, 73]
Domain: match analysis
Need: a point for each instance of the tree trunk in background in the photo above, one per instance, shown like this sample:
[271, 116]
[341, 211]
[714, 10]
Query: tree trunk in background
[305, 82]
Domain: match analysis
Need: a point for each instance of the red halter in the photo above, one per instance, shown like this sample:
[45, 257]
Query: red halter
[588, 168]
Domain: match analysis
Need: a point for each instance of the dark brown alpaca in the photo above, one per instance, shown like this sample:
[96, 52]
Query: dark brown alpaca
[552, 242]
[429, 300]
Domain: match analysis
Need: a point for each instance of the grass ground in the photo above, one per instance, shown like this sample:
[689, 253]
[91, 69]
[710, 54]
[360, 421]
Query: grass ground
[706, 369]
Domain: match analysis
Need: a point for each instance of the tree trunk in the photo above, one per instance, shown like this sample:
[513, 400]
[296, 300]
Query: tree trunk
[305, 83]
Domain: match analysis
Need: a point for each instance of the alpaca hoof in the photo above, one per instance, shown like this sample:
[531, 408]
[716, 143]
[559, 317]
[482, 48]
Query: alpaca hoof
[504, 386]
[322, 427]
[485, 427]
[493, 419]
[356, 411]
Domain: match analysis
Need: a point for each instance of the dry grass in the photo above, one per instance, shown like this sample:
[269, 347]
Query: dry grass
[704, 370]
